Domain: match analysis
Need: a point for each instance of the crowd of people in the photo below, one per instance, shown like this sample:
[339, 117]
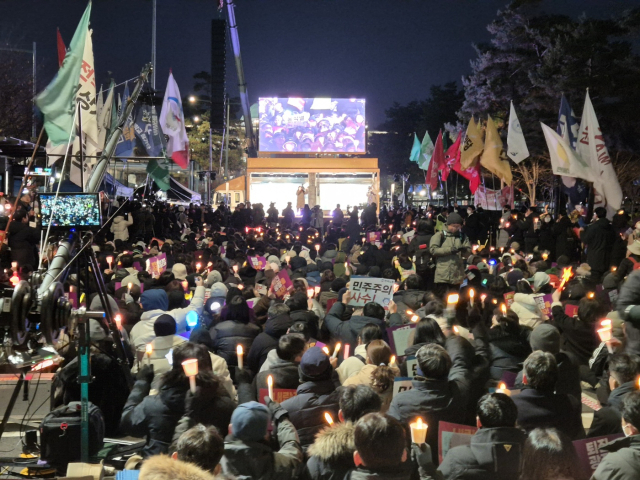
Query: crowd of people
[511, 352]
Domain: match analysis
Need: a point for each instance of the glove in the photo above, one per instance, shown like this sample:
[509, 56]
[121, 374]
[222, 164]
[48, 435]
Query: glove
[145, 373]
[243, 376]
[277, 412]
[421, 454]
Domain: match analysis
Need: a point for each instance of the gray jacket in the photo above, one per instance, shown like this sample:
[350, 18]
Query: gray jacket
[447, 253]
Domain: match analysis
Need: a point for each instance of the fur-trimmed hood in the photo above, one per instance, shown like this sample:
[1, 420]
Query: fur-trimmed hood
[162, 467]
[335, 443]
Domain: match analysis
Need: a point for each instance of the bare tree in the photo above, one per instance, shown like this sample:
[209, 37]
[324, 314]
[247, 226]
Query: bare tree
[534, 175]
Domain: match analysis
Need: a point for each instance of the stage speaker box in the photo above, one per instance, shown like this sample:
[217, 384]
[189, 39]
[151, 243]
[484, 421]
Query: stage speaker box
[218, 72]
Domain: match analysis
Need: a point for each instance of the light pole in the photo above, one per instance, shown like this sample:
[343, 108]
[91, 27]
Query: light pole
[193, 99]
[33, 84]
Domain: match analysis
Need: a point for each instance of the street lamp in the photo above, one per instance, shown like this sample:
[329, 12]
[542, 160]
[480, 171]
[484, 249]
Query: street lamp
[192, 99]
[196, 119]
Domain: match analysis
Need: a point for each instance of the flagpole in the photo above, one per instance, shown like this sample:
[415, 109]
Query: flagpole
[153, 45]
[81, 147]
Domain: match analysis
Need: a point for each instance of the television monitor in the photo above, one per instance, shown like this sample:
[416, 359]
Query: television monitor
[312, 125]
[71, 210]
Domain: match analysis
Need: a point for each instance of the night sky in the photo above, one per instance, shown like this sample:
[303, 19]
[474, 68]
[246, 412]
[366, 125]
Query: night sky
[382, 50]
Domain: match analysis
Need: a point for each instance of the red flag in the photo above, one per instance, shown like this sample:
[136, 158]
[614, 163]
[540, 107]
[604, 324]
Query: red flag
[452, 153]
[436, 164]
[62, 50]
[472, 174]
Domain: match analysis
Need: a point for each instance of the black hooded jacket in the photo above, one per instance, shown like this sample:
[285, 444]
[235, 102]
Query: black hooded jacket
[267, 340]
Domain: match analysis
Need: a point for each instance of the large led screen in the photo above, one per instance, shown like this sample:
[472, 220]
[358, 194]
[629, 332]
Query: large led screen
[289, 125]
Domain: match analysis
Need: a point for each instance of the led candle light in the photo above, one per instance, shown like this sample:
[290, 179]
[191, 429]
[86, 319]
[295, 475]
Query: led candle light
[149, 351]
[409, 312]
[328, 418]
[317, 248]
[118, 320]
[503, 308]
[310, 292]
[190, 368]
[392, 362]
[198, 266]
[14, 265]
[483, 298]
[129, 285]
[456, 330]
[235, 269]
[502, 388]
[471, 295]
[545, 256]
[316, 289]
[325, 350]
[239, 352]
[270, 386]
[336, 350]
[605, 333]
[109, 261]
[287, 258]
[418, 431]
[452, 301]
[415, 318]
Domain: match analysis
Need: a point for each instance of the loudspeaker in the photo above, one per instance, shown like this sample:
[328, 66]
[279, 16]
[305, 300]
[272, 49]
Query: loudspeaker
[218, 72]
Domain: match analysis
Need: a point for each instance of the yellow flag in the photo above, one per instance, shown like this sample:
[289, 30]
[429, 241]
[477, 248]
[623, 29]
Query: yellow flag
[472, 147]
[491, 159]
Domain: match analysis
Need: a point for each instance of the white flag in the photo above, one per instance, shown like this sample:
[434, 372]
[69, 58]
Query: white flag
[104, 118]
[564, 159]
[172, 124]
[593, 150]
[516, 145]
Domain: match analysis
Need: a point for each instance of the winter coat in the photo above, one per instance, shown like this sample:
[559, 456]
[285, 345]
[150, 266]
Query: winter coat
[568, 376]
[309, 318]
[472, 227]
[258, 461]
[348, 331]
[153, 416]
[447, 250]
[623, 461]
[493, 453]
[629, 296]
[267, 340]
[326, 296]
[599, 238]
[393, 473]
[507, 352]
[353, 364]
[120, 229]
[163, 467]
[626, 266]
[549, 410]
[578, 338]
[285, 375]
[22, 241]
[564, 237]
[607, 420]
[526, 307]
[331, 455]
[503, 235]
[229, 334]
[363, 377]
[307, 408]
[408, 300]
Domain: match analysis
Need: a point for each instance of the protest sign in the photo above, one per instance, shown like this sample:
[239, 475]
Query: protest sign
[407, 237]
[280, 394]
[402, 384]
[260, 289]
[508, 298]
[366, 289]
[137, 266]
[544, 302]
[589, 452]
[258, 263]
[401, 337]
[160, 242]
[453, 435]
[412, 366]
[571, 310]
[222, 251]
[281, 284]
[156, 265]
[373, 237]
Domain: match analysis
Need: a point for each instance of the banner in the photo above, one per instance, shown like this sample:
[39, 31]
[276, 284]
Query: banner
[589, 452]
[156, 265]
[453, 435]
[281, 284]
[401, 337]
[492, 199]
[280, 394]
[258, 263]
[366, 289]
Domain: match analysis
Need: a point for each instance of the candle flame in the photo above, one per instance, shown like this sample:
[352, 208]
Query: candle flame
[337, 349]
[393, 360]
[419, 423]
[456, 330]
[502, 386]
[415, 318]
[239, 350]
[453, 298]
[503, 307]
[325, 350]
[471, 293]
[270, 380]
[149, 349]
[328, 418]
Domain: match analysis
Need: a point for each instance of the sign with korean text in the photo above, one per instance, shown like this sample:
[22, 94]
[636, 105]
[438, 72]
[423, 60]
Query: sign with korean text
[590, 453]
[401, 337]
[366, 289]
[281, 284]
[412, 366]
[280, 394]
[453, 435]
[402, 384]
[544, 302]
[258, 263]
[156, 265]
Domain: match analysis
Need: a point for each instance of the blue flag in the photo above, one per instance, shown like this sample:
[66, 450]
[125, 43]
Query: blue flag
[148, 130]
[126, 142]
[568, 125]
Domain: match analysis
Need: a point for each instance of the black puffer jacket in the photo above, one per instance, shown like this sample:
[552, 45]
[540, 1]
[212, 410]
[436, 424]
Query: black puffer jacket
[309, 318]
[331, 455]
[307, 408]
[507, 352]
[630, 297]
[229, 334]
[285, 375]
[154, 416]
[267, 340]
[408, 300]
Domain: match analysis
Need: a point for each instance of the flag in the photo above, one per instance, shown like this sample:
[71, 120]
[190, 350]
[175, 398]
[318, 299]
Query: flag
[472, 146]
[104, 117]
[592, 149]
[58, 101]
[172, 124]
[436, 164]
[415, 150]
[516, 145]
[426, 150]
[148, 131]
[564, 160]
[490, 158]
[159, 174]
[567, 128]
[62, 50]
[451, 155]
[126, 141]
[472, 173]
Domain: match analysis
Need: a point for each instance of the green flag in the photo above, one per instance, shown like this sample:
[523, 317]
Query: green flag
[426, 150]
[159, 174]
[415, 150]
[57, 101]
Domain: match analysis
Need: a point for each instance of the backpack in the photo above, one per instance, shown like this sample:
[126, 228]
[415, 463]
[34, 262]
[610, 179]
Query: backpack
[60, 434]
[636, 264]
